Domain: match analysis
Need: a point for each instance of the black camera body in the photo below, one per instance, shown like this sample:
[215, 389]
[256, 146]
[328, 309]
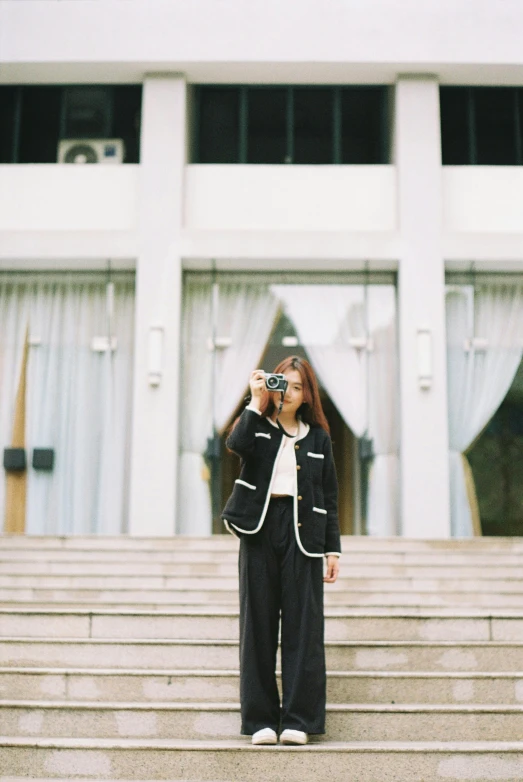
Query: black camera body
[275, 382]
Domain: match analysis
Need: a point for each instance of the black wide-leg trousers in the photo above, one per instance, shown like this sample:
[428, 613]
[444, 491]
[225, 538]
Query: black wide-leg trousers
[276, 578]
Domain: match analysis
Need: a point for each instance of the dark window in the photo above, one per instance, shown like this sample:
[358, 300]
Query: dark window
[267, 125]
[219, 125]
[283, 124]
[40, 124]
[127, 113]
[313, 125]
[364, 125]
[8, 106]
[455, 133]
[481, 126]
[494, 109]
[34, 119]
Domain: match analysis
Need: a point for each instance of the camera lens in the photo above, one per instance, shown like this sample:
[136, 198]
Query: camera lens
[272, 382]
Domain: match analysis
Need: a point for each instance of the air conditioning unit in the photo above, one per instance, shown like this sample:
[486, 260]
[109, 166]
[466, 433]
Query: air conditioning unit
[91, 150]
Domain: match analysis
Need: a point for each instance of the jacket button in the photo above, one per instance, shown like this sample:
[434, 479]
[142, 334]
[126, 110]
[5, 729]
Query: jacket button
[300, 497]
[299, 524]
[298, 467]
[297, 447]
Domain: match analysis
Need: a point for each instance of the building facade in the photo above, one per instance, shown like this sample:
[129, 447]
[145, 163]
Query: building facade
[360, 160]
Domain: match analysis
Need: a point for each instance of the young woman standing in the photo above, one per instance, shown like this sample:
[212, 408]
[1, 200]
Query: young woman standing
[284, 509]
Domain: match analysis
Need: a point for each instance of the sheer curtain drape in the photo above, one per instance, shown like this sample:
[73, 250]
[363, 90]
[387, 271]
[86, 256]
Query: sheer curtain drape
[214, 380]
[194, 500]
[480, 373]
[383, 479]
[332, 323]
[78, 401]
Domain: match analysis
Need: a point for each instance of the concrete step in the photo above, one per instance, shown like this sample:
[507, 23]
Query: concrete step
[347, 581]
[154, 557]
[201, 721]
[443, 570]
[443, 656]
[213, 761]
[229, 542]
[135, 600]
[365, 623]
[139, 686]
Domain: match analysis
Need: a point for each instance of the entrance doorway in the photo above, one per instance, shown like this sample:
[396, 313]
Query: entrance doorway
[497, 464]
[344, 443]
[345, 325]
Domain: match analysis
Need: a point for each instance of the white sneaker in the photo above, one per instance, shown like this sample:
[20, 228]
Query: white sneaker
[265, 736]
[293, 737]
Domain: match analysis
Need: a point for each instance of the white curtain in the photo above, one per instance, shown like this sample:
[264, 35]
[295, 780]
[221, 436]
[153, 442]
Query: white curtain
[479, 374]
[246, 314]
[214, 381]
[360, 378]
[326, 317]
[78, 401]
[383, 479]
[194, 500]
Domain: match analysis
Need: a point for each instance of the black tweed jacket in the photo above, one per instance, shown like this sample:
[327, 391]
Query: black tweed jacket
[258, 443]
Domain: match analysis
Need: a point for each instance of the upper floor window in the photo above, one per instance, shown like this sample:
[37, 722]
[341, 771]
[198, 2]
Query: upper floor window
[282, 124]
[482, 126]
[34, 119]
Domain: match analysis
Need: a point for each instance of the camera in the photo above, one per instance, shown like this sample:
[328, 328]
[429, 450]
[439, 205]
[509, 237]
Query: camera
[275, 382]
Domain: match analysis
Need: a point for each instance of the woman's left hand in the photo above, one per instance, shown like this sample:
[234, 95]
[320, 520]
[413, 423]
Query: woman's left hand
[333, 567]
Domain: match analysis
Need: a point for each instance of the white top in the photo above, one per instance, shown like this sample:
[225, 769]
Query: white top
[284, 481]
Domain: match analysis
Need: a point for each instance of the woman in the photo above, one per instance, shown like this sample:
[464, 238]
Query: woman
[284, 510]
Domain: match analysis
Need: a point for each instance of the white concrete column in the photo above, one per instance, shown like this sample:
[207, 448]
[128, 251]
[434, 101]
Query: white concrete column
[158, 300]
[423, 414]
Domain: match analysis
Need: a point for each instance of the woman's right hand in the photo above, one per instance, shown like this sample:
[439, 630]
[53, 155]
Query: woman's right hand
[257, 384]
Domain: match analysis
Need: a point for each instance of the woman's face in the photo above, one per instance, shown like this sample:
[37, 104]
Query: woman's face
[293, 398]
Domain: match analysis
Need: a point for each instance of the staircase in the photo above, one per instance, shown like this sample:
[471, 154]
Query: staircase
[119, 661]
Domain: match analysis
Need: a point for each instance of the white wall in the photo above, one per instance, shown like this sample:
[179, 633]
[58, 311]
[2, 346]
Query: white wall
[476, 199]
[229, 40]
[289, 198]
[68, 198]
[486, 199]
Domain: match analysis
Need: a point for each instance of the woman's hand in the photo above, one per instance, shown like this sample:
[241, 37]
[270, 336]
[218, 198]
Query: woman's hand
[257, 384]
[333, 567]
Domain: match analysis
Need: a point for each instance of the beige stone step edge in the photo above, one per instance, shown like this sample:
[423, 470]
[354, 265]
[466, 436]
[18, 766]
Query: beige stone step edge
[332, 612]
[244, 743]
[201, 706]
[227, 583]
[442, 569]
[382, 604]
[345, 590]
[235, 672]
[108, 557]
[227, 540]
[209, 673]
[366, 643]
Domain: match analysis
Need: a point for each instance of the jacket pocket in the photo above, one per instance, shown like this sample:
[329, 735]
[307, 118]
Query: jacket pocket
[262, 434]
[244, 483]
[316, 455]
[320, 510]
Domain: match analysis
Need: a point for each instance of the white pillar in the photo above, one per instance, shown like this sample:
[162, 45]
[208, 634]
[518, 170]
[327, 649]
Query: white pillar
[158, 300]
[425, 509]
